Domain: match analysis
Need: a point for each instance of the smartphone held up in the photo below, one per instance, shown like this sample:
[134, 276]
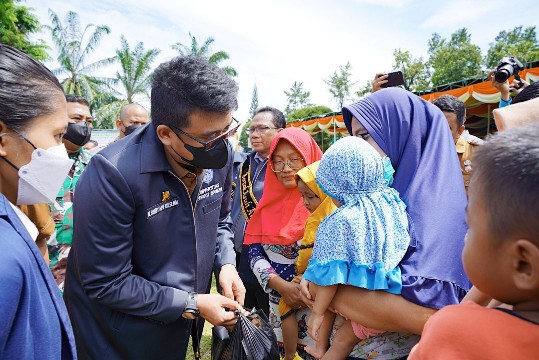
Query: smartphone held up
[394, 78]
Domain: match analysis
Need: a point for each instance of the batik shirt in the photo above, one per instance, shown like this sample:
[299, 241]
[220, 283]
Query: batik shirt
[62, 212]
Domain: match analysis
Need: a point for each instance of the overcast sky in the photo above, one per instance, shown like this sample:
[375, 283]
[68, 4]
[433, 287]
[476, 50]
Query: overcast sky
[274, 43]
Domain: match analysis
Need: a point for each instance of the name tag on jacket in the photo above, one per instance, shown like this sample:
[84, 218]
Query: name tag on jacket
[156, 209]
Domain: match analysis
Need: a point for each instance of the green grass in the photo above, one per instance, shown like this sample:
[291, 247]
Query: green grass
[205, 341]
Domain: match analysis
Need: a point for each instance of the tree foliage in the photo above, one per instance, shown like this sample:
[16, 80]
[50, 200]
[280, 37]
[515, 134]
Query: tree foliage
[519, 42]
[17, 23]
[296, 98]
[74, 46]
[415, 71]
[254, 101]
[339, 84]
[105, 108]
[323, 139]
[308, 111]
[453, 59]
[133, 78]
[204, 51]
[244, 137]
[364, 90]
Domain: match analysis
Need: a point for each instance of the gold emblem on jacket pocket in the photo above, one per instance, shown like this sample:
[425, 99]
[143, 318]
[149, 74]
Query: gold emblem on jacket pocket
[165, 195]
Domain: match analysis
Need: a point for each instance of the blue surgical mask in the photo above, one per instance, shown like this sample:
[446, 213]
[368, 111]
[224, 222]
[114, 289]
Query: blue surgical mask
[388, 171]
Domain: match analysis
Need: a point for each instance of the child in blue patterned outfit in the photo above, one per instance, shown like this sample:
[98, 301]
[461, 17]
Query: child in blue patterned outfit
[359, 244]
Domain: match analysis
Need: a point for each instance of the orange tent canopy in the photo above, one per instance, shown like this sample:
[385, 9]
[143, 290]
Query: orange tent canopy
[480, 99]
[332, 123]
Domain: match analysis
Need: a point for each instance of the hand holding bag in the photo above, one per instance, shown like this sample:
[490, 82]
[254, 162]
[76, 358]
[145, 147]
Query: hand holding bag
[251, 339]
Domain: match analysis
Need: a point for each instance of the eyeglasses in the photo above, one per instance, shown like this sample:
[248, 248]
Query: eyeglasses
[260, 129]
[208, 145]
[278, 165]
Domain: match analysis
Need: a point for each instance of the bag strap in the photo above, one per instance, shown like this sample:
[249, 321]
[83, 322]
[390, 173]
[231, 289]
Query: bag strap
[195, 341]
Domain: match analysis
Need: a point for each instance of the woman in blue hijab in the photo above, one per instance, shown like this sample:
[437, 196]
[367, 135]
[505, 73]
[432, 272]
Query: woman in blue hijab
[414, 135]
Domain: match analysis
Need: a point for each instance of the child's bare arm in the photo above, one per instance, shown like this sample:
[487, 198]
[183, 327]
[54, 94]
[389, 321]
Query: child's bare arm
[324, 295]
[477, 297]
[381, 310]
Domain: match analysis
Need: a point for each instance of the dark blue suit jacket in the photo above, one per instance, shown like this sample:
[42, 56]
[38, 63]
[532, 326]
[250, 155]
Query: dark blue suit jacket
[141, 243]
[33, 318]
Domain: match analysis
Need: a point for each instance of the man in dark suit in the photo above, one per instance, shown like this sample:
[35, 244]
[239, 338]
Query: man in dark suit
[152, 219]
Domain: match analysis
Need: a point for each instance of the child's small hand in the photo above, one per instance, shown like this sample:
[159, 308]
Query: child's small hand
[305, 293]
[313, 325]
[304, 288]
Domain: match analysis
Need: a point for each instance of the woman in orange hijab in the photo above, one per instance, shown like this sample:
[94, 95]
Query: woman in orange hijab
[278, 223]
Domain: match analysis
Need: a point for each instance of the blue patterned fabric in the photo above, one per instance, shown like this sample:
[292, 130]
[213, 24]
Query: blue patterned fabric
[415, 136]
[363, 241]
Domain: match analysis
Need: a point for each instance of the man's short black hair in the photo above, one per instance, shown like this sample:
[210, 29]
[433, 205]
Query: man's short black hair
[452, 104]
[187, 83]
[528, 93]
[506, 174]
[278, 117]
[77, 99]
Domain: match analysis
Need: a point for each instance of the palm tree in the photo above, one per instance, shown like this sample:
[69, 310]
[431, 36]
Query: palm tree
[135, 75]
[204, 52]
[74, 46]
[134, 78]
[105, 108]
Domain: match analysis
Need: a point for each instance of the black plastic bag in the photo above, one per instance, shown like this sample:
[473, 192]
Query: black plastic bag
[219, 341]
[251, 339]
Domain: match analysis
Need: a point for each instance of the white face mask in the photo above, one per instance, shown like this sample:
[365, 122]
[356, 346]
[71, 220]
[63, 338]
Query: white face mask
[40, 180]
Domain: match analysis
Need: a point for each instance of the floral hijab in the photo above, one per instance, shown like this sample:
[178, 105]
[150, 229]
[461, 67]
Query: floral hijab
[369, 230]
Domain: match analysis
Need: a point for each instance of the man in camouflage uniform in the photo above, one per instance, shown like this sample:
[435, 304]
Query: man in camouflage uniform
[77, 135]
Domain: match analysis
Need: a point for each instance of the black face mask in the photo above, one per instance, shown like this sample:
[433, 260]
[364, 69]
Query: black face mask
[78, 133]
[215, 158]
[130, 129]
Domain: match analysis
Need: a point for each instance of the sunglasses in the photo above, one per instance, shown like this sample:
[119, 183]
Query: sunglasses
[210, 144]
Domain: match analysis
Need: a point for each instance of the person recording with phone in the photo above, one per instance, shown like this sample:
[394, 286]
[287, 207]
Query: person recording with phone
[385, 80]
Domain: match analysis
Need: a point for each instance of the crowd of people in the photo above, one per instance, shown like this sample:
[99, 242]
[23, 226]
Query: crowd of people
[408, 239]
